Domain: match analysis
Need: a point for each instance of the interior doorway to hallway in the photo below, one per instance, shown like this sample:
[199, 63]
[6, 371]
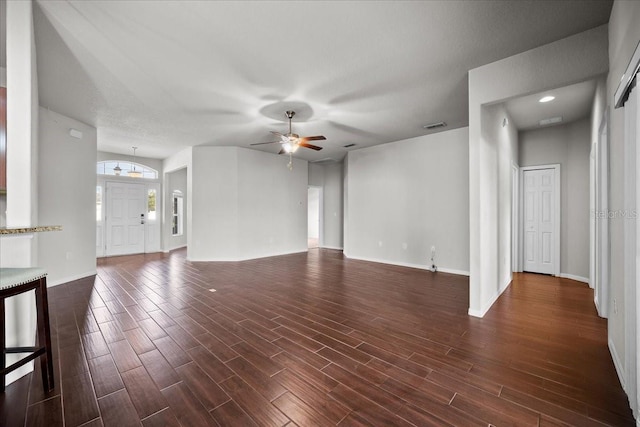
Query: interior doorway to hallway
[313, 218]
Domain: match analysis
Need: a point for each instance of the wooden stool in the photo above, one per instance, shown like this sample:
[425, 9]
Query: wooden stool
[14, 281]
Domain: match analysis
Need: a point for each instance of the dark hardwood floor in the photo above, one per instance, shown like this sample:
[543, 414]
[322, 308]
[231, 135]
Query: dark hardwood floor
[312, 340]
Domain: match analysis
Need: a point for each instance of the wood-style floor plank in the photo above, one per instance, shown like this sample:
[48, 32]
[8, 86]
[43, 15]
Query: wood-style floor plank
[118, 411]
[316, 339]
[144, 394]
[204, 388]
[187, 408]
[45, 413]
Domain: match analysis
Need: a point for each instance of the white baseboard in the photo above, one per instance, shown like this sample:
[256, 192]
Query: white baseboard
[621, 373]
[617, 364]
[166, 251]
[453, 271]
[486, 307]
[410, 265]
[574, 277]
[337, 248]
[244, 259]
[52, 283]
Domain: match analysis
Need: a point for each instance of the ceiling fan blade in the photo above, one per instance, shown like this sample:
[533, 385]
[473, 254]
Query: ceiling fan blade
[313, 138]
[313, 147]
[278, 134]
[262, 143]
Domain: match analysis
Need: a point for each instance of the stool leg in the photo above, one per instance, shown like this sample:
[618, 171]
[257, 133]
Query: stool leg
[3, 344]
[44, 334]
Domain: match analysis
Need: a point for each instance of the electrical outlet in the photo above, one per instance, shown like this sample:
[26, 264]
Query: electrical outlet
[380, 243]
[404, 246]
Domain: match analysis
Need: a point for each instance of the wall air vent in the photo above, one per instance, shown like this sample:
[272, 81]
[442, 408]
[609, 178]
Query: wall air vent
[349, 145]
[434, 125]
[551, 121]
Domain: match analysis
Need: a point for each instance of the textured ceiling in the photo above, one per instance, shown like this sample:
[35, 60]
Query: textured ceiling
[165, 75]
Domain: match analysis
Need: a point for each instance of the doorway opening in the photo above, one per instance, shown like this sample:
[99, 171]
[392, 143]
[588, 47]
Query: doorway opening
[313, 217]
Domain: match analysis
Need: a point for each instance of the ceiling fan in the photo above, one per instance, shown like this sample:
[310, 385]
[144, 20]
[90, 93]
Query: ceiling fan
[292, 141]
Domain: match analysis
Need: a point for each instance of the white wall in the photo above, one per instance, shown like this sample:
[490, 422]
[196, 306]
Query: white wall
[3, 83]
[598, 107]
[22, 167]
[571, 60]
[407, 196]
[500, 133]
[213, 225]
[245, 204]
[569, 145]
[624, 34]
[272, 205]
[67, 186]
[330, 177]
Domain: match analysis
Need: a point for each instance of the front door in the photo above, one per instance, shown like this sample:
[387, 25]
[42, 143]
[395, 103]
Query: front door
[540, 220]
[125, 217]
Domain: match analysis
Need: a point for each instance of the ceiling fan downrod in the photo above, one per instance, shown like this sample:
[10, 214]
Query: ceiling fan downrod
[290, 115]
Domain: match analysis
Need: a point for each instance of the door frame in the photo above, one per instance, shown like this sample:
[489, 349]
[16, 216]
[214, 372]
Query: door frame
[557, 219]
[516, 229]
[631, 250]
[599, 268]
[101, 252]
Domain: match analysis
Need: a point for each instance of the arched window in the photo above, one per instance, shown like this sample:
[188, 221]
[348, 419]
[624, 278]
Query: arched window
[125, 168]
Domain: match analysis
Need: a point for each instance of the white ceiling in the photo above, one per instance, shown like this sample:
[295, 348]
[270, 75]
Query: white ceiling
[164, 75]
[571, 103]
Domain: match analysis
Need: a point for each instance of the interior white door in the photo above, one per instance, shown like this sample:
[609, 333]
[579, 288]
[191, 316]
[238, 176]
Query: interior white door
[125, 217]
[539, 221]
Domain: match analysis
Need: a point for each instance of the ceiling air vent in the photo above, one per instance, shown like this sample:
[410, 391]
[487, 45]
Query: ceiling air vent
[434, 125]
[325, 161]
[349, 145]
[550, 121]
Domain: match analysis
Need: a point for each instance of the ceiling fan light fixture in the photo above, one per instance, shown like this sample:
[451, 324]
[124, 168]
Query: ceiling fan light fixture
[290, 142]
[290, 147]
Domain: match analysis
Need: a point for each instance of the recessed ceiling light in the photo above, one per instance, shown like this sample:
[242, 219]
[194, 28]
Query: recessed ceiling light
[547, 98]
